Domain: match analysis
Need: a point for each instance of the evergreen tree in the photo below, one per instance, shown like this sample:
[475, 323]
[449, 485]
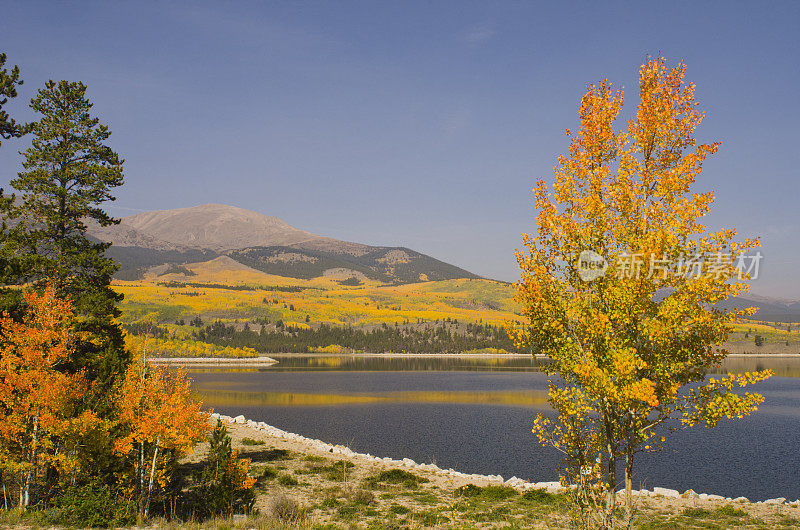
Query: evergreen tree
[9, 81]
[9, 128]
[69, 172]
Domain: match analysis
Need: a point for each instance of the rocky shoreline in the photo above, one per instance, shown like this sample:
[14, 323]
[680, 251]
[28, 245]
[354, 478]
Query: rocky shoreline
[457, 478]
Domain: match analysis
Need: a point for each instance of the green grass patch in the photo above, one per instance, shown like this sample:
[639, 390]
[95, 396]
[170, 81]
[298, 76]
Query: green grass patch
[542, 496]
[397, 476]
[287, 480]
[498, 493]
[431, 518]
[399, 509]
[252, 441]
[268, 473]
[731, 511]
[468, 490]
[335, 471]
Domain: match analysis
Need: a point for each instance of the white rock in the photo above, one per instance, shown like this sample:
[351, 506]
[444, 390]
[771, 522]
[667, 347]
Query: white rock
[666, 492]
[703, 496]
[715, 497]
[409, 462]
[239, 419]
[779, 500]
[741, 499]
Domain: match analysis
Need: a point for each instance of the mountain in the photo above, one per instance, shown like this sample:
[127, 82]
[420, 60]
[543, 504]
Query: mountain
[216, 227]
[768, 309]
[265, 243]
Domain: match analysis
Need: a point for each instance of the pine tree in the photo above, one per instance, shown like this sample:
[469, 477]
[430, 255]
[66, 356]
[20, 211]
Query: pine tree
[9, 81]
[9, 128]
[69, 173]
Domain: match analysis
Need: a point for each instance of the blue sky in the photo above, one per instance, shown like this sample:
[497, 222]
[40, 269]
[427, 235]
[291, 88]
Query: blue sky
[422, 124]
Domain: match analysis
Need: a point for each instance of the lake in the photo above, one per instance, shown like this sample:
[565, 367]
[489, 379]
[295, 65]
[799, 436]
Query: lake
[475, 415]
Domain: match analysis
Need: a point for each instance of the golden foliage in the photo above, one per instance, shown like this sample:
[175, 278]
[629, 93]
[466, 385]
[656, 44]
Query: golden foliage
[41, 420]
[624, 345]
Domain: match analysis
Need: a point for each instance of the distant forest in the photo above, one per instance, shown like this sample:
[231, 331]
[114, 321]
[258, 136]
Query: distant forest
[440, 338]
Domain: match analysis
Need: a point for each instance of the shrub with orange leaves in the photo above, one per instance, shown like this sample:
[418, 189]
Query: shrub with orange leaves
[160, 421]
[620, 281]
[40, 422]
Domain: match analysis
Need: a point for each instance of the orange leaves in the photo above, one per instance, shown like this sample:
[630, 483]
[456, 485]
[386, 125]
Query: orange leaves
[157, 407]
[38, 401]
[157, 415]
[238, 470]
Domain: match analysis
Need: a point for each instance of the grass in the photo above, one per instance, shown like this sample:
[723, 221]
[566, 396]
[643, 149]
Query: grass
[287, 480]
[397, 476]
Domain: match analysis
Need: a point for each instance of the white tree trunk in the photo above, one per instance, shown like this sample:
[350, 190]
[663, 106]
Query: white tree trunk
[152, 476]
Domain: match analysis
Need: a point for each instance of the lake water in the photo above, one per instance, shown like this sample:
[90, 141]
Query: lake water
[475, 415]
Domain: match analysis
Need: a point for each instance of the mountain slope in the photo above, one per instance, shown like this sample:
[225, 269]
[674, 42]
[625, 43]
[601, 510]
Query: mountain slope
[265, 243]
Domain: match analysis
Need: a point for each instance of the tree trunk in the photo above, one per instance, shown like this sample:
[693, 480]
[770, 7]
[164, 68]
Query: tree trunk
[611, 484]
[141, 473]
[26, 494]
[152, 476]
[628, 487]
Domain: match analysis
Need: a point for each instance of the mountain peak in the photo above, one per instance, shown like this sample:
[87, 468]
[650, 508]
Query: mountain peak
[218, 227]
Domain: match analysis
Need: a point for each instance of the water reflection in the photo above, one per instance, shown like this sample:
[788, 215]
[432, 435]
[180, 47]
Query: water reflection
[536, 399]
[783, 366]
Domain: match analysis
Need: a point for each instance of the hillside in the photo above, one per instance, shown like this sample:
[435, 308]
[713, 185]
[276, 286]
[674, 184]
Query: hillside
[147, 240]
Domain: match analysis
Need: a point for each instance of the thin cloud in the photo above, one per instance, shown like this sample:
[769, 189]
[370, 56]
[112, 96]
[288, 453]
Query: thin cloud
[479, 34]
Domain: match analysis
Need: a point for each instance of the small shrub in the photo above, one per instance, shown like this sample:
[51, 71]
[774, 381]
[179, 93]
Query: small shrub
[269, 473]
[362, 496]
[347, 511]
[91, 505]
[731, 511]
[398, 476]
[468, 490]
[399, 509]
[251, 441]
[696, 512]
[314, 458]
[498, 493]
[540, 495]
[433, 518]
[287, 480]
[331, 502]
[287, 510]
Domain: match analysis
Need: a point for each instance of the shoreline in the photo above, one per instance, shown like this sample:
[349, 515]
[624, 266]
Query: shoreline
[492, 355]
[261, 360]
[453, 478]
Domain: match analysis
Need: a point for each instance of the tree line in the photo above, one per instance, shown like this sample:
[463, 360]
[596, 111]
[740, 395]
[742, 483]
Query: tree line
[383, 339]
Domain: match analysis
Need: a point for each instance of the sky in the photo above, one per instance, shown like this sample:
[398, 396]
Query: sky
[419, 123]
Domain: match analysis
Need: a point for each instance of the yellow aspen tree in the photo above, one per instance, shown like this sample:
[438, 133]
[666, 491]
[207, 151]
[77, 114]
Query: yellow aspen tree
[619, 285]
